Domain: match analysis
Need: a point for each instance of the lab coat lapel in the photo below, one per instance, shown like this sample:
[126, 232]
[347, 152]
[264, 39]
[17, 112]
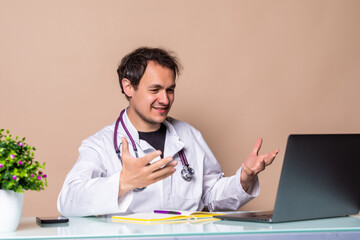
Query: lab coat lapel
[173, 144]
[134, 133]
[141, 145]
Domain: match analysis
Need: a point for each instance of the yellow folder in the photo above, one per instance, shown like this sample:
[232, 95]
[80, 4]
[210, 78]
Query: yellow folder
[151, 217]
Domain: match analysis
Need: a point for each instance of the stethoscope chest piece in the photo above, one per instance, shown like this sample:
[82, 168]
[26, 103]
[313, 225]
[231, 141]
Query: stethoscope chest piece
[187, 173]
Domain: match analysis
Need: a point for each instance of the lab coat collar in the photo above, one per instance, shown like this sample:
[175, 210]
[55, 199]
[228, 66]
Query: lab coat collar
[134, 133]
[173, 144]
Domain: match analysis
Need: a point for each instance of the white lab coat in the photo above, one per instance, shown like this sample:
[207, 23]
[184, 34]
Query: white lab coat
[91, 187]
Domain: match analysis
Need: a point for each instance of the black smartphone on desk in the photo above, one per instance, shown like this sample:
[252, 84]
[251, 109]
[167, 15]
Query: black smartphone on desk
[51, 220]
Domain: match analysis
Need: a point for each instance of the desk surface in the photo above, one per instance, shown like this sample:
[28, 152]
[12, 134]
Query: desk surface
[95, 228]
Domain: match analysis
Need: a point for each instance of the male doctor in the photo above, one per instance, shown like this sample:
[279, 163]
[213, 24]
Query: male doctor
[160, 162]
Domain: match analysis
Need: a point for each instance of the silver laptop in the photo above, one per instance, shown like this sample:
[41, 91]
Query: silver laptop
[320, 178]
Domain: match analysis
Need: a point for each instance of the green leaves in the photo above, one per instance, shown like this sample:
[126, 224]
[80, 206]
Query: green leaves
[18, 170]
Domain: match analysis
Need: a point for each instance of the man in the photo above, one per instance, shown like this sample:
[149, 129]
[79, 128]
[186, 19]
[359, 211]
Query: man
[163, 163]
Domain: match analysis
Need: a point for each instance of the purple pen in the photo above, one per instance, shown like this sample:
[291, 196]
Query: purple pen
[167, 212]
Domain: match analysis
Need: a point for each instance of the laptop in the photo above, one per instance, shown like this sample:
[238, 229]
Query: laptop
[320, 178]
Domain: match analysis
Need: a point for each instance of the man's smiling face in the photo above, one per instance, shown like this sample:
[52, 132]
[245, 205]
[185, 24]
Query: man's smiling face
[150, 103]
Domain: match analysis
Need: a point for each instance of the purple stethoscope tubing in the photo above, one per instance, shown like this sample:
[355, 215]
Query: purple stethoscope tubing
[121, 120]
[186, 173]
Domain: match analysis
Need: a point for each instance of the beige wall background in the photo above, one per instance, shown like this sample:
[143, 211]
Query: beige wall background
[251, 69]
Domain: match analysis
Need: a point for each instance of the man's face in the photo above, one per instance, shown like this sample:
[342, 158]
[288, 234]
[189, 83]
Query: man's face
[151, 102]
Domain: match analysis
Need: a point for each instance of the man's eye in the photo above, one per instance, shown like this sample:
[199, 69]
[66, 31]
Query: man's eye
[154, 90]
[170, 90]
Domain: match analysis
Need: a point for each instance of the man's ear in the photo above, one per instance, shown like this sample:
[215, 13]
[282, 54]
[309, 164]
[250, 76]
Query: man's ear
[128, 88]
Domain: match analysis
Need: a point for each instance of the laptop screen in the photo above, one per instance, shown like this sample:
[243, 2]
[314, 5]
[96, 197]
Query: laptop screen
[320, 177]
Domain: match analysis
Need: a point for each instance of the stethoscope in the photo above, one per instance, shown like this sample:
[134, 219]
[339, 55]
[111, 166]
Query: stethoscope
[187, 172]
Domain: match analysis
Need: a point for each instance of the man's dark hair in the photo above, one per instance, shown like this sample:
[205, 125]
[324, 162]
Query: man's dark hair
[133, 65]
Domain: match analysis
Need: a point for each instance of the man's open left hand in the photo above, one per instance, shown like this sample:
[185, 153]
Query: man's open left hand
[255, 164]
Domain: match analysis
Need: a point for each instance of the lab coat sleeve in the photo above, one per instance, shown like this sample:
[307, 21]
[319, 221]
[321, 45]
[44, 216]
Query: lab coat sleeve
[89, 189]
[223, 193]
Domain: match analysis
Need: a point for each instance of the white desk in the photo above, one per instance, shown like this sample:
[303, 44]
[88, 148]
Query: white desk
[102, 228]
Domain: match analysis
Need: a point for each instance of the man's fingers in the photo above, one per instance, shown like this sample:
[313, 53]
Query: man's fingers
[159, 171]
[125, 147]
[161, 163]
[162, 168]
[257, 146]
[275, 152]
[145, 160]
[270, 157]
[149, 157]
[163, 173]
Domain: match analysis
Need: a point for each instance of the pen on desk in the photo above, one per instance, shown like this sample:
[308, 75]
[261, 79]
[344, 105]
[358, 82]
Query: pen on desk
[167, 212]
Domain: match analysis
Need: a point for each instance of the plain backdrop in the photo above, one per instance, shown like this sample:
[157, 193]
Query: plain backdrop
[250, 69]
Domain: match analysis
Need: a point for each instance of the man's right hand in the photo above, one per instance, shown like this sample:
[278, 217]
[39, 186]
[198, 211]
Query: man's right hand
[139, 173]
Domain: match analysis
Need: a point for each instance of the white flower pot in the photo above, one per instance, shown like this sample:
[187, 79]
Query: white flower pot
[11, 204]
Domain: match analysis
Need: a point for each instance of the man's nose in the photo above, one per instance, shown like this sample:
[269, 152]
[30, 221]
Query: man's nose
[163, 98]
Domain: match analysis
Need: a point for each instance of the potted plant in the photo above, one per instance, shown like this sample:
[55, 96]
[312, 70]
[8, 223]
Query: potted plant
[18, 172]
